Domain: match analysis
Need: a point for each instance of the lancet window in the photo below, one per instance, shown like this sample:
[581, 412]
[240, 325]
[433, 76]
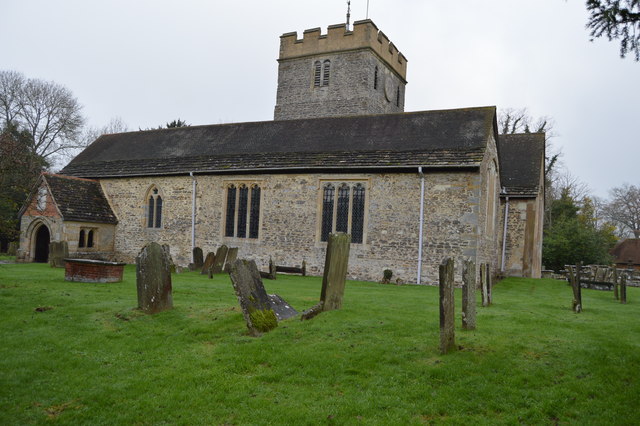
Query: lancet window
[242, 210]
[343, 210]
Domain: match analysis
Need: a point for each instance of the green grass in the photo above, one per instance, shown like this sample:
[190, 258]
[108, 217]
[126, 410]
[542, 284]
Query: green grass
[90, 358]
[6, 257]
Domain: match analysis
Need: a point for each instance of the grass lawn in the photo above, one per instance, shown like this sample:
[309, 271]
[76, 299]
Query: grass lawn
[90, 358]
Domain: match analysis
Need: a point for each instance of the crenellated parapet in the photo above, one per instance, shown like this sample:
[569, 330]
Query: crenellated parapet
[365, 35]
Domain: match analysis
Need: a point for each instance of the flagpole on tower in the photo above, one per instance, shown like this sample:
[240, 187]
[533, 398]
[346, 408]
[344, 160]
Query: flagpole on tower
[367, 16]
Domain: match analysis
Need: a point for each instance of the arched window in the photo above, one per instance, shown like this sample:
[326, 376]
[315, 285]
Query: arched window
[326, 65]
[90, 239]
[154, 209]
[243, 211]
[317, 73]
[231, 211]
[375, 78]
[81, 239]
[346, 213]
[327, 211]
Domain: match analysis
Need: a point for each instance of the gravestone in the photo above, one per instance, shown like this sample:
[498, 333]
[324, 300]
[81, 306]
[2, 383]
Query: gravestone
[232, 255]
[153, 279]
[335, 271]
[221, 257]
[484, 285]
[208, 263]
[12, 249]
[281, 308]
[447, 307]
[58, 251]
[335, 275]
[198, 259]
[255, 303]
[614, 280]
[574, 279]
[469, 295]
[623, 288]
[167, 251]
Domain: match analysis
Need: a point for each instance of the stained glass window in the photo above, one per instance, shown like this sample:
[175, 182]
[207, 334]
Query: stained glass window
[357, 215]
[242, 211]
[254, 219]
[342, 213]
[231, 211]
[327, 212]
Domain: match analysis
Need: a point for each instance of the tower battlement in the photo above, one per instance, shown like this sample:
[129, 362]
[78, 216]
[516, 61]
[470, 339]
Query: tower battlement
[365, 35]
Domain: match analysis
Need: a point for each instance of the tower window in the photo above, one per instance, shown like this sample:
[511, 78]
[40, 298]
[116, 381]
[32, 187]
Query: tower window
[375, 79]
[321, 73]
[326, 65]
[398, 96]
[317, 72]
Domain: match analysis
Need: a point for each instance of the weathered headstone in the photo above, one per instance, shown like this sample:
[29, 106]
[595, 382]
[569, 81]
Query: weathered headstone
[484, 284]
[469, 295]
[221, 257]
[198, 259]
[304, 268]
[575, 285]
[232, 255]
[153, 279]
[208, 263]
[167, 251]
[281, 308]
[335, 271]
[447, 308]
[58, 251]
[623, 288]
[253, 299]
[614, 280]
[12, 249]
[489, 284]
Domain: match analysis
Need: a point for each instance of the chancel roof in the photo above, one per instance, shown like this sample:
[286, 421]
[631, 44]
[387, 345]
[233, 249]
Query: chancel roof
[447, 138]
[80, 200]
[521, 159]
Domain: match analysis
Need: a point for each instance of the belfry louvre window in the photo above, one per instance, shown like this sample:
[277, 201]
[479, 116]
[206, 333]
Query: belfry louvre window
[343, 210]
[154, 209]
[375, 79]
[242, 211]
[321, 73]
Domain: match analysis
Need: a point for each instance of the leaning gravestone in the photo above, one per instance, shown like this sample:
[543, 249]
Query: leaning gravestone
[484, 284]
[232, 255]
[574, 280]
[623, 288]
[153, 279]
[167, 251]
[614, 279]
[198, 259]
[447, 308]
[58, 251]
[335, 275]
[221, 257]
[208, 263]
[469, 295]
[260, 310]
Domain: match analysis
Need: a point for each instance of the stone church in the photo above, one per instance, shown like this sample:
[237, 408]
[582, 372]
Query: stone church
[341, 155]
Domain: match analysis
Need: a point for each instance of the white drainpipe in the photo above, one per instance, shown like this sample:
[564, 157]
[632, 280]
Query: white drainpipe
[419, 279]
[504, 233]
[193, 213]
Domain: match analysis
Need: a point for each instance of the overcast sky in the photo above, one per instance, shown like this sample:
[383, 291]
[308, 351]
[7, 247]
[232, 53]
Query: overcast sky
[208, 62]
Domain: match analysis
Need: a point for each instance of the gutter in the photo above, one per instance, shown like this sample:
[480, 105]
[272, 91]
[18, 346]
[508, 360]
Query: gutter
[193, 213]
[420, 239]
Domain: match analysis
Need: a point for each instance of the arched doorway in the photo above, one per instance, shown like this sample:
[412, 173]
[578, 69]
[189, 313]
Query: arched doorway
[43, 237]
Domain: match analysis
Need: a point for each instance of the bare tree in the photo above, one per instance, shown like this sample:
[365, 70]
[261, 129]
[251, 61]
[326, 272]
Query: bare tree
[624, 208]
[47, 110]
[115, 125]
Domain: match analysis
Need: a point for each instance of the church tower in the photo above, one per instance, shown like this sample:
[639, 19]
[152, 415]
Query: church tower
[339, 73]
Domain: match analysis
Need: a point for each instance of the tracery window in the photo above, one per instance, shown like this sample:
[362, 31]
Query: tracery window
[154, 209]
[321, 73]
[346, 213]
[242, 210]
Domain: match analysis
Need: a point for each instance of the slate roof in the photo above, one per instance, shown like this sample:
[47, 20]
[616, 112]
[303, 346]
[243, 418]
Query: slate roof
[80, 200]
[446, 138]
[627, 251]
[521, 159]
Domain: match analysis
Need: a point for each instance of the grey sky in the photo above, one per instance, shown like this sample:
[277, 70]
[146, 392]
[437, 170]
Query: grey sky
[206, 62]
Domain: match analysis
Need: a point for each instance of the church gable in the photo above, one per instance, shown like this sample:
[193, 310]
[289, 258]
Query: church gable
[521, 163]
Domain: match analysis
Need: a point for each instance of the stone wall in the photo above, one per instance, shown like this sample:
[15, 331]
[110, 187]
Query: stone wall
[290, 220]
[523, 257]
[350, 91]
